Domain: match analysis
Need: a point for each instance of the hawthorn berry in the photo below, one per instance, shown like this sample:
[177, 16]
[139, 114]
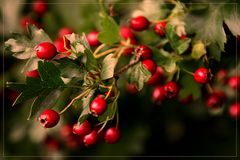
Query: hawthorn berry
[234, 110]
[202, 75]
[49, 118]
[92, 38]
[171, 89]
[98, 105]
[39, 7]
[90, 139]
[139, 23]
[158, 94]
[59, 44]
[160, 28]
[46, 50]
[186, 100]
[220, 94]
[214, 101]
[150, 65]
[221, 75]
[82, 129]
[73, 141]
[145, 51]
[25, 21]
[131, 88]
[66, 131]
[51, 143]
[234, 82]
[156, 77]
[64, 31]
[34, 73]
[125, 32]
[112, 135]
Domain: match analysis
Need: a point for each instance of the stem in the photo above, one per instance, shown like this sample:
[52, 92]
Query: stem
[125, 68]
[105, 123]
[76, 98]
[104, 53]
[117, 118]
[191, 73]
[209, 88]
[99, 48]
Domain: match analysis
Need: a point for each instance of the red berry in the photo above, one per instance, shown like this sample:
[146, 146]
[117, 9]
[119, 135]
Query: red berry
[49, 118]
[214, 101]
[171, 89]
[160, 28]
[128, 51]
[145, 51]
[34, 73]
[39, 7]
[112, 135]
[186, 100]
[90, 139]
[25, 21]
[51, 143]
[64, 31]
[182, 37]
[158, 94]
[59, 44]
[125, 32]
[234, 82]
[156, 77]
[221, 75]
[139, 23]
[234, 110]
[73, 141]
[202, 75]
[131, 88]
[220, 94]
[149, 65]
[46, 50]
[92, 38]
[66, 131]
[82, 129]
[98, 106]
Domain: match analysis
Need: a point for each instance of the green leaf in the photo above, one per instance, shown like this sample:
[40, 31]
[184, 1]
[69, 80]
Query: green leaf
[38, 35]
[214, 52]
[208, 25]
[45, 100]
[110, 31]
[189, 87]
[108, 65]
[50, 74]
[179, 46]
[232, 18]
[85, 106]
[69, 69]
[80, 46]
[138, 75]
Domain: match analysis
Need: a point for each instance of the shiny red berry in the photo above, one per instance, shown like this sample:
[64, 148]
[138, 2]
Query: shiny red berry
[39, 7]
[234, 110]
[202, 75]
[98, 105]
[150, 65]
[139, 23]
[125, 32]
[145, 51]
[160, 28]
[214, 101]
[92, 38]
[34, 73]
[156, 77]
[49, 118]
[64, 31]
[171, 89]
[90, 139]
[158, 94]
[234, 82]
[112, 135]
[82, 129]
[131, 88]
[46, 50]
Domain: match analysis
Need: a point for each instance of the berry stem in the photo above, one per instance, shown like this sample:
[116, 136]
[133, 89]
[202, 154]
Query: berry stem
[188, 72]
[85, 92]
[99, 55]
[104, 124]
[209, 88]
[99, 48]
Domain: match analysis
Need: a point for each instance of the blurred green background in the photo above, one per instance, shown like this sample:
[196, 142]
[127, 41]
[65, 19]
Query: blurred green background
[172, 129]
